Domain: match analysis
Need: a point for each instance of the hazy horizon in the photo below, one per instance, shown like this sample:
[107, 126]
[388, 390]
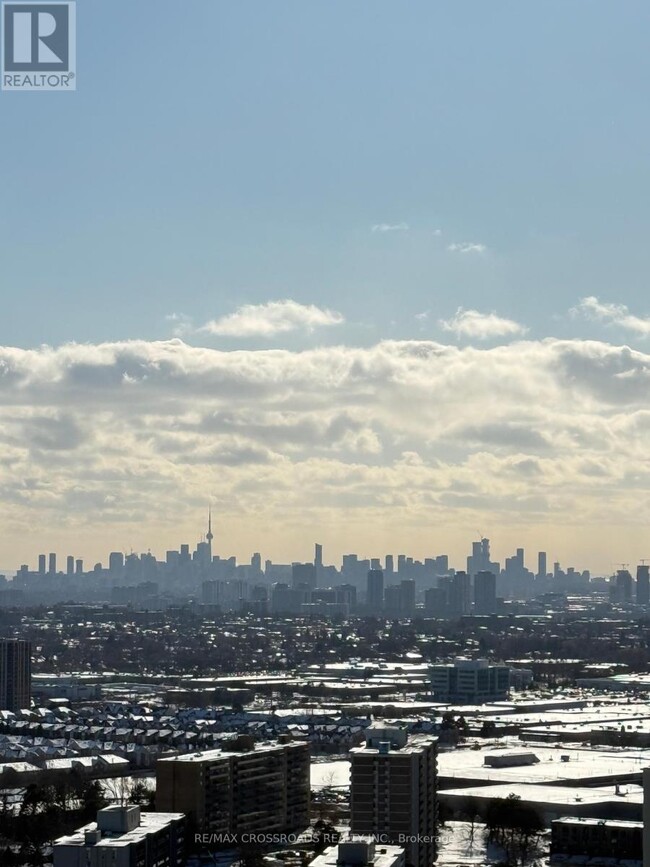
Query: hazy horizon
[367, 274]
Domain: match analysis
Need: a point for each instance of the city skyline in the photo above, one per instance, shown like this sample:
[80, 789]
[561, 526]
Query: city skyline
[479, 555]
[394, 300]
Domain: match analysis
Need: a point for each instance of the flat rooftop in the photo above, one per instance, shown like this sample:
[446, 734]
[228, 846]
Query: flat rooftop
[385, 856]
[150, 823]
[583, 765]
[217, 754]
[555, 801]
[414, 744]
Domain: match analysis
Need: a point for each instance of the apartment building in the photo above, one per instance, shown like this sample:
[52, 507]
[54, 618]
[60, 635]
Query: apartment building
[393, 791]
[247, 788]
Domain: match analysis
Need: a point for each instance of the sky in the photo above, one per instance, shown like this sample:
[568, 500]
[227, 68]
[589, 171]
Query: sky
[367, 273]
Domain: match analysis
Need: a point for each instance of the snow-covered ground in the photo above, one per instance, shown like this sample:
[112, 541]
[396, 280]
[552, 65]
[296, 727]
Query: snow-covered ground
[457, 848]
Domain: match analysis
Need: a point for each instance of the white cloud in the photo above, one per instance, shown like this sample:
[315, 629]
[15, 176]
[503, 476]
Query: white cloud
[401, 435]
[467, 247]
[182, 324]
[275, 317]
[613, 314]
[484, 326]
[390, 227]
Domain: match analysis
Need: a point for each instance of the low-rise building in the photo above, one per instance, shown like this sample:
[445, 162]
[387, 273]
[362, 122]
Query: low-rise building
[124, 837]
[361, 852]
[596, 838]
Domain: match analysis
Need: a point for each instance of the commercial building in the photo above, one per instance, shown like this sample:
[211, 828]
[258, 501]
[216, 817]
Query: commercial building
[249, 788]
[375, 591]
[393, 790]
[549, 802]
[15, 674]
[124, 837]
[470, 681]
[643, 585]
[361, 852]
[596, 838]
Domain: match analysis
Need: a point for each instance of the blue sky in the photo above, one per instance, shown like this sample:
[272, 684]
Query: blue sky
[368, 270]
[220, 153]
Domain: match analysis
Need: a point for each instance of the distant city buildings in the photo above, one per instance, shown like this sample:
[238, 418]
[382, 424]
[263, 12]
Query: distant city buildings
[396, 586]
[643, 585]
[15, 674]
[485, 593]
[393, 781]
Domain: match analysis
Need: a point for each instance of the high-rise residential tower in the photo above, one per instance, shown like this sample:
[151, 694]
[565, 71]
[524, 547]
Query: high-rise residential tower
[15, 674]
[393, 790]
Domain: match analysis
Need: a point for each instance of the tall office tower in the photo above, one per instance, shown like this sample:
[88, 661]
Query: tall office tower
[69, 565]
[407, 598]
[303, 573]
[479, 559]
[390, 564]
[375, 563]
[52, 564]
[519, 556]
[392, 600]
[393, 790]
[246, 788]
[401, 563]
[41, 564]
[375, 591]
[15, 674]
[116, 563]
[318, 555]
[434, 602]
[256, 562]
[623, 587]
[202, 556]
[122, 837]
[459, 601]
[442, 564]
[643, 585]
[485, 593]
[541, 565]
[79, 567]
